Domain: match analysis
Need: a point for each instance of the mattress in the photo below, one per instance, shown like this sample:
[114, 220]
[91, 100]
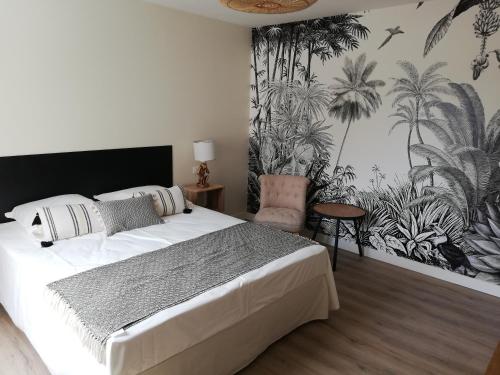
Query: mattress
[25, 270]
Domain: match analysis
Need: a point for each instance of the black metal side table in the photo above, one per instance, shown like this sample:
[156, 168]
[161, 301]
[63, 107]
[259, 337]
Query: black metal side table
[339, 212]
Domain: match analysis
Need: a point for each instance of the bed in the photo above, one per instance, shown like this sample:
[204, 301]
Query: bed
[218, 332]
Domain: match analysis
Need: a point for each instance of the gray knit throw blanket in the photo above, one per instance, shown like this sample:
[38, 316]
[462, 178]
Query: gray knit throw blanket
[101, 301]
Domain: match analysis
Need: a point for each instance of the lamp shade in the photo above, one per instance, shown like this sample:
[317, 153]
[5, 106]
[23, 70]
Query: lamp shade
[204, 150]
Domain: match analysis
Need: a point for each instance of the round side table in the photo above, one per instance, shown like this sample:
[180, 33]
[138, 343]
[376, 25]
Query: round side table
[339, 212]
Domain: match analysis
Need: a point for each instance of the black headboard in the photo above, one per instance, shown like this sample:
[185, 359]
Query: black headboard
[32, 177]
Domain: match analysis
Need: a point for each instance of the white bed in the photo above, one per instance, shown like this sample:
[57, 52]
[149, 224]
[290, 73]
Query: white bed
[218, 332]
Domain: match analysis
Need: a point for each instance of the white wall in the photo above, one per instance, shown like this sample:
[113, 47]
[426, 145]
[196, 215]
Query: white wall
[96, 74]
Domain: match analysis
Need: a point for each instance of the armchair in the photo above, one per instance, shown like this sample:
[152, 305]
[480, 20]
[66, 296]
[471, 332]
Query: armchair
[283, 202]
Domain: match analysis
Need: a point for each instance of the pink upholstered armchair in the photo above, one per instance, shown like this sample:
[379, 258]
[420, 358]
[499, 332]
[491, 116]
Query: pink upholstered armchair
[283, 202]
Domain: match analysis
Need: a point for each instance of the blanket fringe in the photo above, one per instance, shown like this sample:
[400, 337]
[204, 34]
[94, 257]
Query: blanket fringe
[70, 318]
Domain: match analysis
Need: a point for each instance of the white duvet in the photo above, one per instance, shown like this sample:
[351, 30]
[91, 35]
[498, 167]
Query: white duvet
[25, 269]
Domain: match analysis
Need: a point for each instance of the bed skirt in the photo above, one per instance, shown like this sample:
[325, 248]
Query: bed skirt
[231, 350]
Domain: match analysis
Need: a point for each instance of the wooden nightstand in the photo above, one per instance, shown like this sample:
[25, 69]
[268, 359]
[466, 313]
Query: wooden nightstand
[214, 194]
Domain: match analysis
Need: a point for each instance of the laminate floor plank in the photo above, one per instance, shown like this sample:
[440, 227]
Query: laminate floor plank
[394, 321]
[17, 356]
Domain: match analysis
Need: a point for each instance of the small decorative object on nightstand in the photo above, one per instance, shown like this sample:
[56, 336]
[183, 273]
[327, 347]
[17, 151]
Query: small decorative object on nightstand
[203, 151]
[214, 194]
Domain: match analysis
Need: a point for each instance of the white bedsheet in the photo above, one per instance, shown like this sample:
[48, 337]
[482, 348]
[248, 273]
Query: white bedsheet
[25, 269]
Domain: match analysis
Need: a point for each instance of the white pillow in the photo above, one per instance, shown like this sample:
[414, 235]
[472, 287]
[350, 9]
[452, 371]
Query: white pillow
[68, 221]
[126, 193]
[26, 213]
[167, 201]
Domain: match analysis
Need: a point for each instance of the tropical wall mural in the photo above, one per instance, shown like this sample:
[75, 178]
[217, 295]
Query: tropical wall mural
[397, 111]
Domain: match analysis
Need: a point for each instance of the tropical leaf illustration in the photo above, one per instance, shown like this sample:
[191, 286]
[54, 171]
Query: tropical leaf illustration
[484, 238]
[422, 216]
[467, 161]
[487, 23]
[442, 26]
[409, 221]
[289, 131]
[493, 135]
[438, 31]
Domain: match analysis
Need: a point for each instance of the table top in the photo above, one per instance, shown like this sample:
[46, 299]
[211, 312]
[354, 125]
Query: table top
[339, 211]
[196, 189]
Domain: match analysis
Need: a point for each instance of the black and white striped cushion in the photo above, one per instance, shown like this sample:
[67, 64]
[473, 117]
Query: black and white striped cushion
[167, 202]
[68, 221]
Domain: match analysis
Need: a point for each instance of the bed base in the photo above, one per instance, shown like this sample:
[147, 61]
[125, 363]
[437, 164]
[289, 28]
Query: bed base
[231, 350]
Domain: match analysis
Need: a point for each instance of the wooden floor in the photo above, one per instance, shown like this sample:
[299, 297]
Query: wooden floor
[391, 321]
[17, 356]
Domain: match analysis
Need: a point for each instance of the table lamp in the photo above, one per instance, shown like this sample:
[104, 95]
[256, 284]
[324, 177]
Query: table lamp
[203, 151]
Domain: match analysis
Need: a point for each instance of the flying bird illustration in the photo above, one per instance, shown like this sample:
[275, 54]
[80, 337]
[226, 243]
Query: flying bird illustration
[420, 3]
[441, 27]
[392, 31]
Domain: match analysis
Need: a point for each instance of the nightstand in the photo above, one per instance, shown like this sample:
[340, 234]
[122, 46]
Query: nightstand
[214, 194]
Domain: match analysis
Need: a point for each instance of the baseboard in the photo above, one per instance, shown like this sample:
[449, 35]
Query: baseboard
[436, 272]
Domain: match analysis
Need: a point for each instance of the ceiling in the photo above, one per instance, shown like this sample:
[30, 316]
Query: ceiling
[322, 8]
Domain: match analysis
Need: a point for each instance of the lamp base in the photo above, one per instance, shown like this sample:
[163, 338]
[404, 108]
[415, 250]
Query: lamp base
[203, 174]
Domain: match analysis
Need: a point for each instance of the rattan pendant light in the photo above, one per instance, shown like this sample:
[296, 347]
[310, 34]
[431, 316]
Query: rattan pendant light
[267, 6]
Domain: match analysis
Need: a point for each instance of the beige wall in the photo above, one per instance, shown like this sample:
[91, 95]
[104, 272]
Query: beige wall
[94, 74]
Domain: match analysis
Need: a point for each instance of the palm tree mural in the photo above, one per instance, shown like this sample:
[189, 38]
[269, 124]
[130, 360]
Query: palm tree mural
[289, 131]
[356, 96]
[406, 113]
[256, 51]
[283, 45]
[423, 90]
[298, 118]
[300, 103]
[329, 37]
[468, 160]
[315, 137]
[444, 208]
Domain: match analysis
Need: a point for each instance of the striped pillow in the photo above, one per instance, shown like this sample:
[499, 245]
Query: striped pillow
[68, 221]
[167, 202]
